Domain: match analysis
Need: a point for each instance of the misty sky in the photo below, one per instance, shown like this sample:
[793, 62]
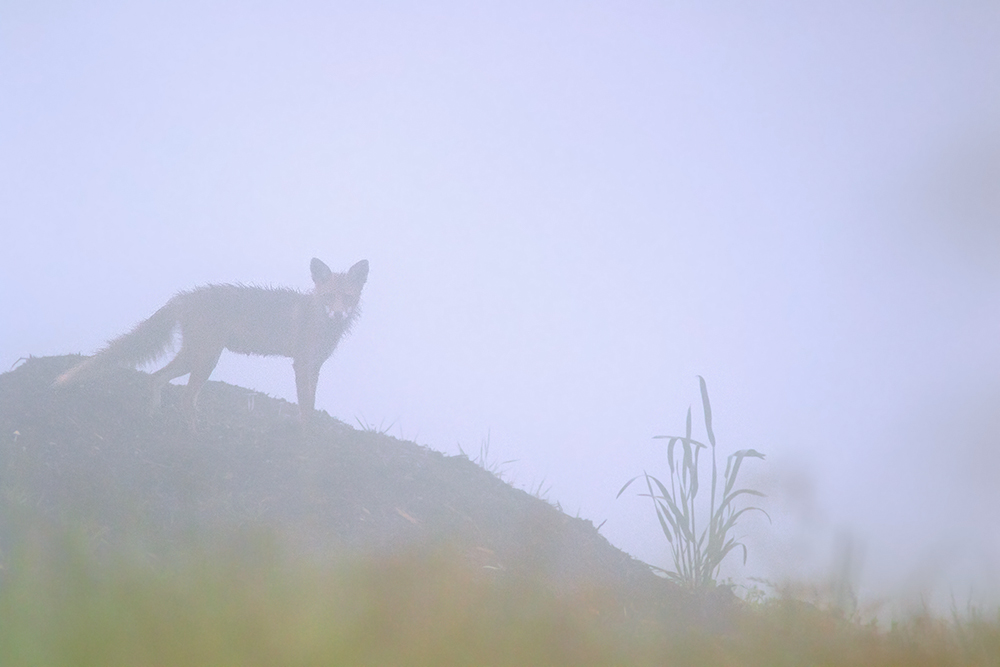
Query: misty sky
[571, 211]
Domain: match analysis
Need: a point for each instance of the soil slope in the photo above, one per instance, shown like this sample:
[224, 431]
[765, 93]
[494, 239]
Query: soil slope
[94, 457]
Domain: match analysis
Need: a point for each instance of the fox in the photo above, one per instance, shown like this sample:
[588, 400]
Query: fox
[246, 319]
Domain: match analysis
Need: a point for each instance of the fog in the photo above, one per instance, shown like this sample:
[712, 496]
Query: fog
[571, 211]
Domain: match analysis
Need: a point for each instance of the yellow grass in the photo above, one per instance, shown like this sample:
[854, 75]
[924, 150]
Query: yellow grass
[247, 602]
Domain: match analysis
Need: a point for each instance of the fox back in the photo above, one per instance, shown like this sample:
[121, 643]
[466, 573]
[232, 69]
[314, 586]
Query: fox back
[273, 321]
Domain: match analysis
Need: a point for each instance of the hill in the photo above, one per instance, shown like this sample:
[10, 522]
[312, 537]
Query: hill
[95, 458]
[126, 539]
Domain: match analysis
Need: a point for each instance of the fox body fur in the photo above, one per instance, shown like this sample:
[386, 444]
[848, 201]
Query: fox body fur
[244, 319]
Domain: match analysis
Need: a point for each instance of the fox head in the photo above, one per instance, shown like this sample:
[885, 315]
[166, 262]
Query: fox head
[339, 292]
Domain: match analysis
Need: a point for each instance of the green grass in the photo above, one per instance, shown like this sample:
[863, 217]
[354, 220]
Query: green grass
[698, 555]
[248, 602]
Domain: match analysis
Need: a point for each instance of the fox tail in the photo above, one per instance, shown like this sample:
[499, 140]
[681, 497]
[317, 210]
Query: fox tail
[147, 341]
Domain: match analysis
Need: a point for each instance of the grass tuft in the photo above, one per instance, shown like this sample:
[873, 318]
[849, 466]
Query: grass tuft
[698, 556]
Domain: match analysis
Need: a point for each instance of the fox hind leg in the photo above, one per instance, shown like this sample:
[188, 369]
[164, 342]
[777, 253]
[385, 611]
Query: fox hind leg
[178, 366]
[199, 363]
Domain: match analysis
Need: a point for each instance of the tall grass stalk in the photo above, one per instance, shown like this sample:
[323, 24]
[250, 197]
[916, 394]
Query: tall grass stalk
[697, 556]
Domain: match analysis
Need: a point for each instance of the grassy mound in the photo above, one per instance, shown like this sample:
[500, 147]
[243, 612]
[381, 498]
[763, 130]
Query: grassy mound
[127, 539]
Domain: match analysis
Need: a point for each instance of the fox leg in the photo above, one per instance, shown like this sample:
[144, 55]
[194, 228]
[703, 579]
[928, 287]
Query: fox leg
[199, 364]
[203, 366]
[178, 366]
[306, 378]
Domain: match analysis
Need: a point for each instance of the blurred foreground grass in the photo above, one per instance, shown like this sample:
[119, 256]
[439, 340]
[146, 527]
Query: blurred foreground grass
[248, 602]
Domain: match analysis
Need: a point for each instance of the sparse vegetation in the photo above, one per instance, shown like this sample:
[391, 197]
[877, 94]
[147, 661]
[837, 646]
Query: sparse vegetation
[370, 427]
[484, 461]
[697, 556]
[128, 540]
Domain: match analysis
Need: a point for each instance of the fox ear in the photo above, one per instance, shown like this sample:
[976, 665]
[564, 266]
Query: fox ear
[320, 271]
[359, 272]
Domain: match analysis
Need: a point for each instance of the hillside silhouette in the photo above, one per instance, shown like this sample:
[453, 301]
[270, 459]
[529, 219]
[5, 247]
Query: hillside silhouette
[93, 456]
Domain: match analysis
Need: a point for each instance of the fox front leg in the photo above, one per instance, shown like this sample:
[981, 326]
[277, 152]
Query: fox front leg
[306, 379]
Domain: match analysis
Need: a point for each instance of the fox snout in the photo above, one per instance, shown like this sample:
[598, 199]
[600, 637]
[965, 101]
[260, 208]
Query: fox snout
[338, 311]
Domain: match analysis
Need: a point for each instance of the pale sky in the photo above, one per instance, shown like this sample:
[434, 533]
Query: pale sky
[571, 211]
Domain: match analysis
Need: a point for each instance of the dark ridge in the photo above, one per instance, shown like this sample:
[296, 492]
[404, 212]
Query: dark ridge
[93, 456]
